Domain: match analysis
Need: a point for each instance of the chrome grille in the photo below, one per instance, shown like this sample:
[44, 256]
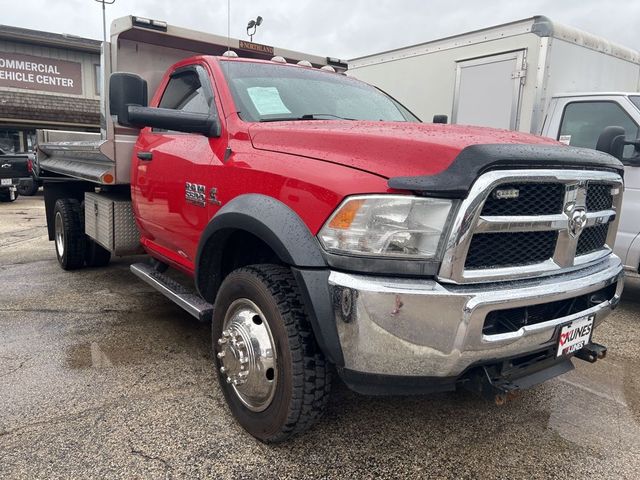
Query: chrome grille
[599, 197]
[527, 223]
[491, 250]
[532, 199]
[592, 239]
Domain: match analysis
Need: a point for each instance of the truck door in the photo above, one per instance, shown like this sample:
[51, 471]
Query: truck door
[488, 90]
[579, 121]
[170, 176]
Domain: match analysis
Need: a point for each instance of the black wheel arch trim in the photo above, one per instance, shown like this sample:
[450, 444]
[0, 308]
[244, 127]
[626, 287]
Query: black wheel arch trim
[270, 220]
[474, 160]
[286, 234]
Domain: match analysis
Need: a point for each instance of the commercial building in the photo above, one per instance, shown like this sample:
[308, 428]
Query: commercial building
[47, 80]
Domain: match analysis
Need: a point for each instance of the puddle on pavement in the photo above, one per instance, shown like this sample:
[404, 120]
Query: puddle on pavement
[97, 355]
[598, 407]
[631, 386]
[162, 338]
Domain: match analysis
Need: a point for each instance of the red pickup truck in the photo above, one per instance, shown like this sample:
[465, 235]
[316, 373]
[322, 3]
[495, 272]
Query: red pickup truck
[326, 229]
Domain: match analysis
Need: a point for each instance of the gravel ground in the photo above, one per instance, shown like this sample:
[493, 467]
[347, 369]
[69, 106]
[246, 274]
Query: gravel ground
[102, 377]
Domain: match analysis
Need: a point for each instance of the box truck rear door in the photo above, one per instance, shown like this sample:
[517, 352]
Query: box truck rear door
[488, 90]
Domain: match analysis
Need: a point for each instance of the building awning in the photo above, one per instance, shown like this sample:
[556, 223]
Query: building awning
[23, 107]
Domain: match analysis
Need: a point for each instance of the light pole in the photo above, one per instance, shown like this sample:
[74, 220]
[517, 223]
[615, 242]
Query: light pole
[252, 24]
[104, 17]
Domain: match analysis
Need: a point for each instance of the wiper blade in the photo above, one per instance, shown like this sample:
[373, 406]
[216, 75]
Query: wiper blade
[306, 116]
[314, 116]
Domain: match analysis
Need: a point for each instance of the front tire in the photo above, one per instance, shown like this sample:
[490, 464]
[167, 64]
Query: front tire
[69, 233]
[274, 377]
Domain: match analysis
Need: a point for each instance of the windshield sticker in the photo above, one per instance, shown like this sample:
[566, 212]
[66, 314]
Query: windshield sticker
[267, 100]
[566, 139]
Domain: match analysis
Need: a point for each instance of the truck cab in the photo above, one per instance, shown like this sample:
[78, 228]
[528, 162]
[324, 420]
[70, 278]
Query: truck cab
[578, 119]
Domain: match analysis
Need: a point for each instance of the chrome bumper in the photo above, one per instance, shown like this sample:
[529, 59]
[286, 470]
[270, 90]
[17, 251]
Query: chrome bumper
[423, 328]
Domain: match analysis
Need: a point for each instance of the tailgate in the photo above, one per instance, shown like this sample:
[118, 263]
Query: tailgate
[14, 166]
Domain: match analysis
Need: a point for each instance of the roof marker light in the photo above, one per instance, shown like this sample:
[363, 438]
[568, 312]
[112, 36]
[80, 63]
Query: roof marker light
[328, 68]
[230, 54]
[278, 59]
[305, 63]
[148, 23]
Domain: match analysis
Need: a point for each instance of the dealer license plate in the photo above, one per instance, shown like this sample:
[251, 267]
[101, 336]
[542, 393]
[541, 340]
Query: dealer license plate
[5, 181]
[575, 335]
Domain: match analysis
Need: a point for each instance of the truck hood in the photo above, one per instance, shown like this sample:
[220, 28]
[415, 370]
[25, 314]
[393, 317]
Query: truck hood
[387, 149]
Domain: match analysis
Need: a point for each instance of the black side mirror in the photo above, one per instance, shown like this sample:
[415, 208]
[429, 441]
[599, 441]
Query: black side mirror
[612, 140]
[128, 102]
[169, 119]
[440, 119]
[126, 89]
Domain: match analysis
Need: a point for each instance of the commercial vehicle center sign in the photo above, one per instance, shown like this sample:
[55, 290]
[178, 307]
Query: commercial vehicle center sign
[38, 73]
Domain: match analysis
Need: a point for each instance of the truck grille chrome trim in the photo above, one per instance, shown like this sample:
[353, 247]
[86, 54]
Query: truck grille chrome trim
[583, 235]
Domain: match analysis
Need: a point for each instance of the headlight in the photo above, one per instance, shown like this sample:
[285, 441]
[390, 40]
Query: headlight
[387, 225]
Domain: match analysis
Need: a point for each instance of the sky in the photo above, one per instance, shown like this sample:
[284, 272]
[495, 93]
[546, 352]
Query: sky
[336, 28]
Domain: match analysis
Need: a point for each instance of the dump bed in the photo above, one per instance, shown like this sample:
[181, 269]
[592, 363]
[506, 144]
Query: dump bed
[147, 48]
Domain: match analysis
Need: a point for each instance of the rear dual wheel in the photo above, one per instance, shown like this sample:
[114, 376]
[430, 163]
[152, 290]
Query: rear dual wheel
[74, 248]
[274, 377]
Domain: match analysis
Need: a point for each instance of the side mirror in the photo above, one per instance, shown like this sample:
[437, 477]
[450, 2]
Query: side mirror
[126, 89]
[128, 102]
[440, 119]
[169, 119]
[612, 140]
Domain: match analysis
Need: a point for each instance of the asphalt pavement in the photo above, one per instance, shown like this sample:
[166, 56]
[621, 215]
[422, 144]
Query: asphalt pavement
[101, 377]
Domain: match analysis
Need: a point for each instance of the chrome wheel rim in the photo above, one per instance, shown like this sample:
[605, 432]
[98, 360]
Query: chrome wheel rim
[59, 234]
[247, 355]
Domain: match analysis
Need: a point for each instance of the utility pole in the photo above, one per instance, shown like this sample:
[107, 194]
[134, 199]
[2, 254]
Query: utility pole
[104, 17]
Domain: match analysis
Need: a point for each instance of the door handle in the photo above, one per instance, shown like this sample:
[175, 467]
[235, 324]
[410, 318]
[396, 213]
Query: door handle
[145, 155]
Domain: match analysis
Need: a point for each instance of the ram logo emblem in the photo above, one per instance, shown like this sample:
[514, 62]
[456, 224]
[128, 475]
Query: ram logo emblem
[577, 220]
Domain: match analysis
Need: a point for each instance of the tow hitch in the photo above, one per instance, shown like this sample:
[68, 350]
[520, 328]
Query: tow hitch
[499, 385]
[503, 381]
[592, 352]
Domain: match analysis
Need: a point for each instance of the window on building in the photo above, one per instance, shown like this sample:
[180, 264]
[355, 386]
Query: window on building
[9, 140]
[583, 122]
[97, 79]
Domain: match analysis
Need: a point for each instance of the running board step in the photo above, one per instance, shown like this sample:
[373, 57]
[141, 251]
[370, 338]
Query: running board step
[174, 291]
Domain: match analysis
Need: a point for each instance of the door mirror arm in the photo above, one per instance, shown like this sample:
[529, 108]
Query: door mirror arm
[177, 120]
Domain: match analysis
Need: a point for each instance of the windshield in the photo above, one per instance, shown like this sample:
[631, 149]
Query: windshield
[636, 100]
[264, 92]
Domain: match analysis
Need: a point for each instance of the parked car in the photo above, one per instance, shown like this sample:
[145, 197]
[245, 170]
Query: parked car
[12, 169]
[324, 227]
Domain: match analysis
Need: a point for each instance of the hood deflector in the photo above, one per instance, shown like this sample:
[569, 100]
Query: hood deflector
[474, 160]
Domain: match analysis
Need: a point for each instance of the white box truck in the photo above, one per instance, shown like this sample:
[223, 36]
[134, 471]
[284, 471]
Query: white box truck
[532, 75]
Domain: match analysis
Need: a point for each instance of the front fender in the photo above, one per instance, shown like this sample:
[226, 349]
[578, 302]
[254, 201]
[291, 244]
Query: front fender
[271, 221]
[286, 234]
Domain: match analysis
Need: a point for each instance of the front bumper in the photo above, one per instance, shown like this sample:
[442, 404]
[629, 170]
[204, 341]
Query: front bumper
[422, 328]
